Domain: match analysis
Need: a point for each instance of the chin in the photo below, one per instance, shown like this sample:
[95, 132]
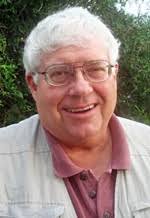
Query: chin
[83, 134]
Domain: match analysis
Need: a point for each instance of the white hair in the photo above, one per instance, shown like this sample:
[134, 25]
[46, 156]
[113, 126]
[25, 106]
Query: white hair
[71, 26]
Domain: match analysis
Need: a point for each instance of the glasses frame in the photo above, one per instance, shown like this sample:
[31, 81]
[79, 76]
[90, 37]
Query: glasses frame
[85, 75]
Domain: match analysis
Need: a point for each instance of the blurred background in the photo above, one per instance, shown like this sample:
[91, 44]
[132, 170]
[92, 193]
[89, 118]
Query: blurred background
[130, 23]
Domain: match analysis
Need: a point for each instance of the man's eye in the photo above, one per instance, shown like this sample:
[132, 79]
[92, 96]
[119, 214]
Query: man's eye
[58, 75]
[97, 69]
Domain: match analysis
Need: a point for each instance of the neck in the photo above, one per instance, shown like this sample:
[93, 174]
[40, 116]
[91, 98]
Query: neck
[97, 154]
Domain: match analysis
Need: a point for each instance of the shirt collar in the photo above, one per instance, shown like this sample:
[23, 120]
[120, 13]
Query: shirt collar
[120, 148]
[64, 167]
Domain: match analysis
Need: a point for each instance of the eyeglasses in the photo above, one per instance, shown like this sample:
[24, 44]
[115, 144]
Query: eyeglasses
[62, 74]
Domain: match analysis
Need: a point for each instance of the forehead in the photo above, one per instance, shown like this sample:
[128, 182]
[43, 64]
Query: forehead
[74, 53]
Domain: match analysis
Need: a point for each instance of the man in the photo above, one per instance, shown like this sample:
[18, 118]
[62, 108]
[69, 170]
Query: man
[75, 158]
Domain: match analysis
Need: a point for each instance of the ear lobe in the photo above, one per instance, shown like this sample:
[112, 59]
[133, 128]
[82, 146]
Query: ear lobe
[31, 84]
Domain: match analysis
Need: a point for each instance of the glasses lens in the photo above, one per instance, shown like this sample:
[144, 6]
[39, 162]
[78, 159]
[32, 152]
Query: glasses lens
[97, 71]
[58, 75]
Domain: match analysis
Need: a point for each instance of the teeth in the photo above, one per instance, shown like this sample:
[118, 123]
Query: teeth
[75, 110]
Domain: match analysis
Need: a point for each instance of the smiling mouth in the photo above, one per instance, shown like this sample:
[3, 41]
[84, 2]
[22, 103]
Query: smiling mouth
[81, 110]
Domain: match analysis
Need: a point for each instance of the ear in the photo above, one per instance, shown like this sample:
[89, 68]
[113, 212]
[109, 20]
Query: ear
[116, 68]
[31, 85]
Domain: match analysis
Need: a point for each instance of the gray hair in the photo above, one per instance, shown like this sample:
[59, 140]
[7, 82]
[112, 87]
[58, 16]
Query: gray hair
[71, 26]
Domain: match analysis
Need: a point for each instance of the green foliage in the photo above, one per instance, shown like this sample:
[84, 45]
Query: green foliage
[18, 17]
[11, 95]
[134, 91]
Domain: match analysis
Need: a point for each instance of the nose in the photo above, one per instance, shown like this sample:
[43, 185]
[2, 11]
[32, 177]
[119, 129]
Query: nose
[79, 86]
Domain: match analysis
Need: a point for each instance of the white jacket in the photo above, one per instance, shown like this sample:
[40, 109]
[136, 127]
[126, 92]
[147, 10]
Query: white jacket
[29, 188]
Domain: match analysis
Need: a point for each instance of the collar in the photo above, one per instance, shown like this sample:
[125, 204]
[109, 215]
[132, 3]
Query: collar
[64, 167]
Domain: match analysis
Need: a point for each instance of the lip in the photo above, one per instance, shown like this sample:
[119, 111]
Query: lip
[80, 112]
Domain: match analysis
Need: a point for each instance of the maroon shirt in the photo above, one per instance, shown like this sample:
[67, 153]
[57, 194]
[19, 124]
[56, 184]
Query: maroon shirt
[92, 197]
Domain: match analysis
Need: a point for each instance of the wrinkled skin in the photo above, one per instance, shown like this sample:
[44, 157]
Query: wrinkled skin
[54, 104]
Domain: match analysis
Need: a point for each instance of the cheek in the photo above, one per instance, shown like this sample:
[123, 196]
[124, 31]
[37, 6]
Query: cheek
[111, 87]
[107, 91]
[47, 107]
[48, 100]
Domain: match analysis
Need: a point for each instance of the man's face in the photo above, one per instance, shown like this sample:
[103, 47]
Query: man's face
[80, 111]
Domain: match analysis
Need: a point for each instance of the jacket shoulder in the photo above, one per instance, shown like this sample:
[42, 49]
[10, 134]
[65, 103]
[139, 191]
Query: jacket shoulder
[127, 123]
[138, 135]
[21, 132]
